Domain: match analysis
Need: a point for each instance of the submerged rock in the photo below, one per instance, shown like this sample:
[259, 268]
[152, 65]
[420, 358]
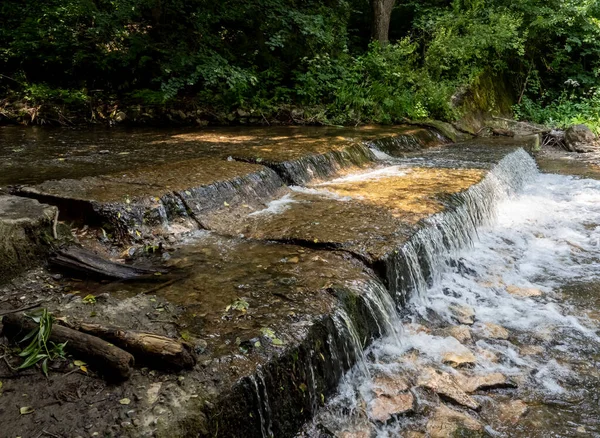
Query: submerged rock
[362, 431]
[488, 355]
[389, 385]
[461, 333]
[384, 408]
[464, 314]
[531, 350]
[523, 292]
[414, 328]
[513, 411]
[391, 398]
[459, 359]
[474, 383]
[445, 385]
[494, 331]
[446, 422]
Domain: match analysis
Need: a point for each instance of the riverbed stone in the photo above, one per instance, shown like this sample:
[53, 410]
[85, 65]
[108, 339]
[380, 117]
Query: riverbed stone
[531, 350]
[463, 313]
[511, 412]
[461, 333]
[388, 385]
[445, 385]
[26, 230]
[459, 359]
[360, 431]
[384, 408]
[446, 423]
[487, 354]
[493, 331]
[475, 382]
[523, 292]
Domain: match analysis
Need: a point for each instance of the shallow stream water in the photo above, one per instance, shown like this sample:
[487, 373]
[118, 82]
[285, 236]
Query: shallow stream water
[533, 271]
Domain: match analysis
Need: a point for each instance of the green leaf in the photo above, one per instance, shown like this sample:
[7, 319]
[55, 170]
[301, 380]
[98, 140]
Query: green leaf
[89, 299]
[31, 360]
[32, 333]
[26, 410]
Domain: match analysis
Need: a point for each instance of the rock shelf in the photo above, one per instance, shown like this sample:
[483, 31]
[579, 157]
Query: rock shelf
[278, 257]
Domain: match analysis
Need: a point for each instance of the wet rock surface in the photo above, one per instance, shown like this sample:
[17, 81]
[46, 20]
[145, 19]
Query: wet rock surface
[26, 230]
[445, 385]
[195, 193]
[447, 423]
[33, 155]
[529, 326]
[275, 325]
[269, 308]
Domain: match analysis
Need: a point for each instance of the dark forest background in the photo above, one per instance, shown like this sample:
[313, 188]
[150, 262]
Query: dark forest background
[328, 58]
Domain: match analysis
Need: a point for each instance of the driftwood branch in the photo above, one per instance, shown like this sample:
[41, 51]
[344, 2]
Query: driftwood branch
[148, 348]
[86, 262]
[107, 359]
[20, 309]
[534, 129]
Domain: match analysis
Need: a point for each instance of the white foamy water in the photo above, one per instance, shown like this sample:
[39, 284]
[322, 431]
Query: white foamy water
[276, 206]
[380, 155]
[383, 172]
[546, 237]
[323, 193]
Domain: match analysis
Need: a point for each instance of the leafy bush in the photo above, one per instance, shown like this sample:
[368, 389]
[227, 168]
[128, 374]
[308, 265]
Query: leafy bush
[384, 85]
[566, 110]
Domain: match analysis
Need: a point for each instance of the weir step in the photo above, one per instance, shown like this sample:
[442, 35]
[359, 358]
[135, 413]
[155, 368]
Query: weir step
[275, 326]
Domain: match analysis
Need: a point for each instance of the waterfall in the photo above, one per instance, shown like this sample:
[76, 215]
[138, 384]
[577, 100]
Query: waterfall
[352, 346]
[262, 403]
[422, 259]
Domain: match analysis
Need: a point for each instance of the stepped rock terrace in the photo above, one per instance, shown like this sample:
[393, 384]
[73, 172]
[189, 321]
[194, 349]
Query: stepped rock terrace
[279, 256]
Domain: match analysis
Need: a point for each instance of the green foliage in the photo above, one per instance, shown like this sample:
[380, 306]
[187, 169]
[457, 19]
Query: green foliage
[383, 85]
[38, 349]
[265, 55]
[566, 110]
[40, 93]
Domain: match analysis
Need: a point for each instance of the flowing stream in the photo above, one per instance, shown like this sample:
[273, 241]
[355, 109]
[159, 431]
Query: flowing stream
[527, 291]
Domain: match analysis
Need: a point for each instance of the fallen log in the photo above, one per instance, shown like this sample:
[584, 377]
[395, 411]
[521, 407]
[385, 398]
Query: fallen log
[86, 262]
[107, 359]
[150, 349]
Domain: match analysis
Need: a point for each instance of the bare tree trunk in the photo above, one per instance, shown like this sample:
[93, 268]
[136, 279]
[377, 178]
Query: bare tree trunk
[382, 13]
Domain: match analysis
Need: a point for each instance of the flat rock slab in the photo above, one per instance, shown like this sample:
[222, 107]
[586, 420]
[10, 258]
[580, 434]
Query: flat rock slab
[481, 153]
[31, 156]
[239, 172]
[132, 202]
[25, 230]
[371, 214]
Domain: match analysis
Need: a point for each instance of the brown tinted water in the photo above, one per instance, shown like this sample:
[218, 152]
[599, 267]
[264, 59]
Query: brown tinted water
[30, 155]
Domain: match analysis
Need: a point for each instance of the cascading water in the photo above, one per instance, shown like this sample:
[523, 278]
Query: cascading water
[422, 259]
[523, 279]
[262, 402]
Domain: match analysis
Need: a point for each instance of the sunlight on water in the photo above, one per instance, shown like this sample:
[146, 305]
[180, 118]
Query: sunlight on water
[508, 276]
